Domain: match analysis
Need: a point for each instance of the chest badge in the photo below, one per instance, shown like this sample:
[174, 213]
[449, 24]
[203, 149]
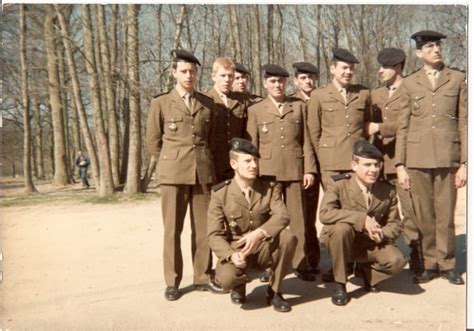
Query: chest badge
[264, 128]
[416, 105]
[172, 125]
[233, 224]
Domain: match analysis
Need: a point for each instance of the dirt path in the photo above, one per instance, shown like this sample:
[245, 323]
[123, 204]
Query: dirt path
[99, 267]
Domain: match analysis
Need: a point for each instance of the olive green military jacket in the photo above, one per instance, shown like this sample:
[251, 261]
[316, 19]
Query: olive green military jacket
[385, 112]
[231, 122]
[432, 130]
[335, 125]
[179, 139]
[344, 202]
[282, 139]
[230, 216]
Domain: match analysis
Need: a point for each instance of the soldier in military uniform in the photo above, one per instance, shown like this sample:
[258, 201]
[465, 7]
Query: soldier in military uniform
[247, 223]
[336, 116]
[431, 152]
[361, 223]
[385, 112]
[231, 115]
[277, 126]
[306, 76]
[179, 134]
[241, 81]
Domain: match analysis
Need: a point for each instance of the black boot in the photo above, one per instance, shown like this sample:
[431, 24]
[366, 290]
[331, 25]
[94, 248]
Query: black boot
[276, 300]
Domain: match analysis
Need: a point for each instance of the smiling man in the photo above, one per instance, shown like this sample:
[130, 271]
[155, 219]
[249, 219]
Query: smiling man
[277, 126]
[336, 116]
[431, 152]
[247, 223]
[361, 223]
[231, 115]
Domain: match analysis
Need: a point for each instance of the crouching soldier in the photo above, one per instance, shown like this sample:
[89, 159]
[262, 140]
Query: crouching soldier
[361, 223]
[247, 222]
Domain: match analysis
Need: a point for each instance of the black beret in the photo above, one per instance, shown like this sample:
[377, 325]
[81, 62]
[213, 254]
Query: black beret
[341, 54]
[239, 67]
[241, 145]
[184, 56]
[274, 70]
[391, 56]
[426, 36]
[305, 68]
[363, 148]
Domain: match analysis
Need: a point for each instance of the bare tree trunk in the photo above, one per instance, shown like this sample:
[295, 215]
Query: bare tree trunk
[61, 177]
[235, 34]
[134, 160]
[301, 34]
[106, 181]
[77, 98]
[113, 40]
[177, 35]
[38, 139]
[159, 41]
[110, 95]
[123, 102]
[29, 186]
[257, 60]
[270, 34]
[149, 171]
[75, 131]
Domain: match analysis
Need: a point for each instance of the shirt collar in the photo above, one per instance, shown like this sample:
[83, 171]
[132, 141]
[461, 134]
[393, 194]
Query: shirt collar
[276, 103]
[181, 91]
[362, 186]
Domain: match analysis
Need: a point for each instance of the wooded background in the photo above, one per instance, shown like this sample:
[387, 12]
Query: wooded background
[80, 77]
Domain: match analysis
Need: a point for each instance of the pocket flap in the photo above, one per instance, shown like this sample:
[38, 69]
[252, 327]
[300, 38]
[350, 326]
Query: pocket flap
[169, 154]
[414, 138]
[174, 118]
[327, 142]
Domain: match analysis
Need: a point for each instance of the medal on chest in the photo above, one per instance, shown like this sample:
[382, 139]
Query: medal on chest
[172, 125]
[264, 128]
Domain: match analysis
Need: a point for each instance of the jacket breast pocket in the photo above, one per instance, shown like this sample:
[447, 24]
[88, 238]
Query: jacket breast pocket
[265, 127]
[169, 155]
[234, 221]
[416, 103]
[450, 100]
[174, 124]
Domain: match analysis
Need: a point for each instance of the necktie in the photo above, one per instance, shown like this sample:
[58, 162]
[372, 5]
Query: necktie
[247, 193]
[280, 108]
[187, 100]
[391, 91]
[433, 77]
[343, 93]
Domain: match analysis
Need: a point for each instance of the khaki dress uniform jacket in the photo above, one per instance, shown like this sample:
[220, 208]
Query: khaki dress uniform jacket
[180, 141]
[231, 216]
[343, 212]
[286, 153]
[386, 111]
[231, 122]
[432, 142]
[335, 124]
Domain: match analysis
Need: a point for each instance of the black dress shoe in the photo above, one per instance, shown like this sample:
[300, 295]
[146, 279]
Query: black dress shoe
[265, 276]
[426, 276]
[276, 300]
[328, 276]
[210, 287]
[416, 259]
[237, 295]
[305, 275]
[171, 293]
[339, 296]
[452, 276]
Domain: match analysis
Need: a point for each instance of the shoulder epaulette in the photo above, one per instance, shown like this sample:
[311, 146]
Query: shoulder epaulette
[217, 187]
[346, 175]
[160, 94]
[203, 94]
[294, 99]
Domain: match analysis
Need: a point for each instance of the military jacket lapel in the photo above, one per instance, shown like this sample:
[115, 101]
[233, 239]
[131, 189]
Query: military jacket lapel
[335, 94]
[237, 194]
[178, 102]
[442, 79]
[357, 193]
[270, 107]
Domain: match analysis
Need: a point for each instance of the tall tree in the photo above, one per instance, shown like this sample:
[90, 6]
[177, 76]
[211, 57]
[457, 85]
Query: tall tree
[61, 177]
[106, 185]
[29, 186]
[134, 160]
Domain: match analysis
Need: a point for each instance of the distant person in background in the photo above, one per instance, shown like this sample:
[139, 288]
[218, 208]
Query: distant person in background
[83, 162]
[241, 82]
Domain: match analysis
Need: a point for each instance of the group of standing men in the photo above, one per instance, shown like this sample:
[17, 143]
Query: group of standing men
[222, 140]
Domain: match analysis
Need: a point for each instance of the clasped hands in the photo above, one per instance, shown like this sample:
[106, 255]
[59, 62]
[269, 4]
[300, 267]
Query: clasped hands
[374, 230]
[251, 240]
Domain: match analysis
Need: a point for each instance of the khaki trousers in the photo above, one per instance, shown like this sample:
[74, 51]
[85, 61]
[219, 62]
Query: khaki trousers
[174, 203]
[275, 255]
[434, 199]
[347, 245]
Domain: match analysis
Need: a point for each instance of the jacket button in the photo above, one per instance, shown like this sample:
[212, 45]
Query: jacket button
[282, 146]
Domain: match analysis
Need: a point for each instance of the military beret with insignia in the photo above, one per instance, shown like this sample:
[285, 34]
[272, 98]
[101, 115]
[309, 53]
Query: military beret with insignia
[426, 36]
[240, 145]
[180, 55]
[239, 67]
[270, 70]
[363, 148]
[342, 54]
[305, 68]
[391, 56]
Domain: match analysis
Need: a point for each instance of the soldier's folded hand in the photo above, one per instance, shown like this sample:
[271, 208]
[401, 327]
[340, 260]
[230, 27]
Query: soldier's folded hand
[238, 260]
[251, 240]
[308, 180]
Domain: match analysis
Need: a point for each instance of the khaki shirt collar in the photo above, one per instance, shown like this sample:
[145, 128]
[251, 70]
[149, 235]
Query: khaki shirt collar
[182, 92]
[363, 187]
[279, 105]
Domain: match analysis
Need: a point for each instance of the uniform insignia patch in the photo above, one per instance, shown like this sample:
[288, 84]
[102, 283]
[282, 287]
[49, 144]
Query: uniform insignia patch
[346, 175]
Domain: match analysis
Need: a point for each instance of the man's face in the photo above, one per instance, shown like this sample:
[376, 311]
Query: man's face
[240, 82]
[246, 166]
[387, 74]
[185, 75]
[367, 170]
[305, 82]
[275, 87]
[223, 79]
[342, 72]
[430, 53]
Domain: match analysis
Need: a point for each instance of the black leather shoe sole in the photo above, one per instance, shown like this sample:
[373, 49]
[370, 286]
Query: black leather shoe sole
[453, 277]
[171, 293]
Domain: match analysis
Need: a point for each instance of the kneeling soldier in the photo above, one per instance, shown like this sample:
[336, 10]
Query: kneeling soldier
[361, 223]
[247, 222]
